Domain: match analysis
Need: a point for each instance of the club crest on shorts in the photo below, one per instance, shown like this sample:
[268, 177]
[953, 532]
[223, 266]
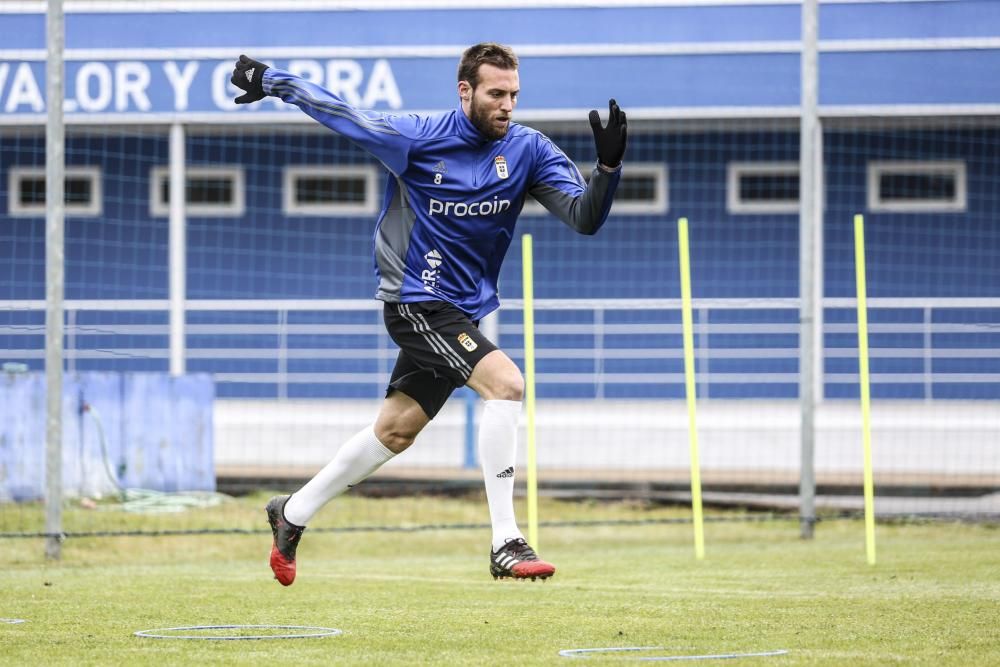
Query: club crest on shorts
[465, 340]
[501, 164]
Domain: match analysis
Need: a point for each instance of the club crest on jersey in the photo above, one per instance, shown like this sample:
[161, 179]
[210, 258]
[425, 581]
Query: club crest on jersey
[465, 340]
[501, 164]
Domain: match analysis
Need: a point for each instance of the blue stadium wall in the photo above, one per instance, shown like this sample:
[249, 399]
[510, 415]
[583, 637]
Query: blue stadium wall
[705, 60]
[265, 255]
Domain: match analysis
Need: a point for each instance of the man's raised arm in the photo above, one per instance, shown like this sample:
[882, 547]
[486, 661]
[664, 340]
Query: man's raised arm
[558, 187]
[387, 138]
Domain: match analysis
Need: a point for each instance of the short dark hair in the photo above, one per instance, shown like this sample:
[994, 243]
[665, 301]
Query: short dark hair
[487, 53]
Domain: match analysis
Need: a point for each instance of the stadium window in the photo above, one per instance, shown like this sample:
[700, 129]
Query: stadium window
[210, 191]
[332, 190]
[762, 187]
[917, 187]
[643, 190]
[26, 191]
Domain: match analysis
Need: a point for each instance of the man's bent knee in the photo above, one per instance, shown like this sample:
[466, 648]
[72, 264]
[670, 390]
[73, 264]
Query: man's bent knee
[496, 377]
[395, 440]
[399, 422]
[509, 388]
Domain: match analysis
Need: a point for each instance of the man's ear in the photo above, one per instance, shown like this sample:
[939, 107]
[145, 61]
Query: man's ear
[464, 90]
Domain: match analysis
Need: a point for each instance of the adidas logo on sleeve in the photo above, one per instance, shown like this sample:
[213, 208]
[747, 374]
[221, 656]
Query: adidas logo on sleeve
[509, 472]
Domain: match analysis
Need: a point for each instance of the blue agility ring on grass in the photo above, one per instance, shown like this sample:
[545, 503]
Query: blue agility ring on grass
[319, 632]
[585, 652]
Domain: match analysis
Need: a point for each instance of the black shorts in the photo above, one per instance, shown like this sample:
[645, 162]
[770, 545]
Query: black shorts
[438, 348]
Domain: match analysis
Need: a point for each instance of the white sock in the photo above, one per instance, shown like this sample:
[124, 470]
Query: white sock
[356, 459]
[497, 453]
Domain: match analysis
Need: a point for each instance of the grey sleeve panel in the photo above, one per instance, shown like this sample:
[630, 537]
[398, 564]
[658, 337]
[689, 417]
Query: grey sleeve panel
[392, 242]
[587, 212]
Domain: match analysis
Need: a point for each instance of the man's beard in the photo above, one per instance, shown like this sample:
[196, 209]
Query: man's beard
[480, 118]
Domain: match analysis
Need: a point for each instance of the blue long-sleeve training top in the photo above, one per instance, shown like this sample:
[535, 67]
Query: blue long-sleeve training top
[453, 197]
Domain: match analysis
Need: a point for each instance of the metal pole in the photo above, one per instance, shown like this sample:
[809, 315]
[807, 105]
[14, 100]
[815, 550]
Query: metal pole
[490, 326]
[55, 173]
[807, 264]
[817, 287]
[178, 250]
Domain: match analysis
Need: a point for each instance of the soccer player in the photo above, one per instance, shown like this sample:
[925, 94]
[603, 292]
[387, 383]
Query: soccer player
[457, 182]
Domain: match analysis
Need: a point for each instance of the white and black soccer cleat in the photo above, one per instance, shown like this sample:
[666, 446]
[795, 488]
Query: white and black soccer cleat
[286, 540]
[518, 560]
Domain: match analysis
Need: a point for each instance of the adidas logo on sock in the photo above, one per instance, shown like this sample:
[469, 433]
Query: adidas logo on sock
[509, 472]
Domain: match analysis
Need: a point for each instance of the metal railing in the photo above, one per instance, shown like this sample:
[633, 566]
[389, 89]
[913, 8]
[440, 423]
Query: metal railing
[597, 348]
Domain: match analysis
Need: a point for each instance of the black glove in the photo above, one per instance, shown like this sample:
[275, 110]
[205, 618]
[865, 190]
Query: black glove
[249, 76]
[610, 140]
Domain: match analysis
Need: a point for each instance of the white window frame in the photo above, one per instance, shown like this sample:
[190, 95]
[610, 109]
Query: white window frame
[337, 209]
[92, 209]
[735, 204]
[659, 205]
[952, 167]
[234, 209]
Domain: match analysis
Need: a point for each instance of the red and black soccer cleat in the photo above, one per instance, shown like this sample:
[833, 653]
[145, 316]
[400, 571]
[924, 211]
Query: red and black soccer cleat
[286, 539]
[516, 559]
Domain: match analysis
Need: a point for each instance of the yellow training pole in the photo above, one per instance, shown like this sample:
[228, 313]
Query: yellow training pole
[866, 400]
[529, 385]
[689, 387]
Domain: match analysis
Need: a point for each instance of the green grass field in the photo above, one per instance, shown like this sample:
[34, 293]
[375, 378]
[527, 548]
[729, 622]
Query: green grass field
[427, 598]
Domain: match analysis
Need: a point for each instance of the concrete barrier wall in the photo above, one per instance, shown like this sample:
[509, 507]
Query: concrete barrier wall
[747, 439]
[136, 430]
